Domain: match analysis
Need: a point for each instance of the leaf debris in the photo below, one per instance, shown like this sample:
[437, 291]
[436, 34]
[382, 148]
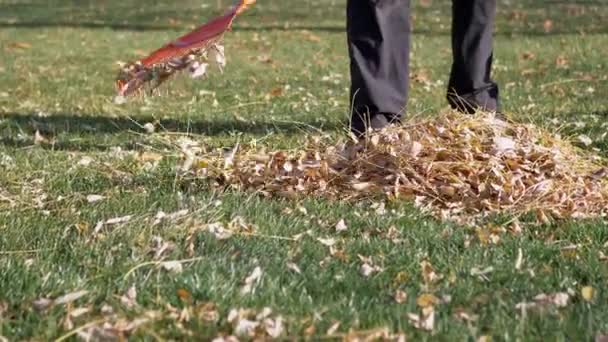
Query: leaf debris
[457, 167]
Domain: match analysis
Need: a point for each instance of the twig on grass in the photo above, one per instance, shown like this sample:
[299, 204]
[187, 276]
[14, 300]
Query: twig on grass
[158, 263]
[570, 80]
[79, 329]
[27, 251]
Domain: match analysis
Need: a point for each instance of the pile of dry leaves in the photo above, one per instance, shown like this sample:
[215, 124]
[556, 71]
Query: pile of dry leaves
[458, 167]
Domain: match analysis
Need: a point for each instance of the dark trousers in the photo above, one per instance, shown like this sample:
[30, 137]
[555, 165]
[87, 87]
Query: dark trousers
[379, 44]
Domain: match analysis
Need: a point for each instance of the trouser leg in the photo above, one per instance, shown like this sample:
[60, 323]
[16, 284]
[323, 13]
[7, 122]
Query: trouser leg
[471, 86]
[378, 43]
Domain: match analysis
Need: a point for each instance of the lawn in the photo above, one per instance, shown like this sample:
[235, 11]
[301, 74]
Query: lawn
[99, 235]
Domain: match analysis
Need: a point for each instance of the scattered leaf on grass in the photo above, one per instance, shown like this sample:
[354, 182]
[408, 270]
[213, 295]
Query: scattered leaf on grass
[333, 329]
[400, 296]
[245, 327]
[149, 127]
[248, 323]
[588, 293]
[162, 216]
[42, 304]
[341, 226]
[543, 301]
[70, 297]
[184, 295]
[119, 220]
[225, 339]
[218, 230]
[462, 315]
[585, 140]
[368, 267]
[548, 25]
[94, 198]
[428, 273]
[75, 313]
[561, 61]
[327, 241]
[252, 281]
[129, 299]
[161, 247]
[424, 321]
[20, 45]
[426, 300]
[172, 266]
[481, 273]
[85, 161]
[273, 327]
[367, 270]
[149, 157]
[207, 312]
[292, 266]
[520, 259]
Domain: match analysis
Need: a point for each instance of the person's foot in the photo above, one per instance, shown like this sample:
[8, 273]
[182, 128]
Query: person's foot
[378, 122]
[501, 116]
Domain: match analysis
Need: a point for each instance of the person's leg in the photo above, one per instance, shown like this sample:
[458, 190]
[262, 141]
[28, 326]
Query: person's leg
[378, 44]
[471, 86]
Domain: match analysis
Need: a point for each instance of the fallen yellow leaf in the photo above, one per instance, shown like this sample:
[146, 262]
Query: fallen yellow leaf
[587, 292]
[426, 300]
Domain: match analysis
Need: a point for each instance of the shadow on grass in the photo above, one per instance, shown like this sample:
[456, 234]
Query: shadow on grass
[275, 15]
[277, 27]
[84, 129]
[148, 27]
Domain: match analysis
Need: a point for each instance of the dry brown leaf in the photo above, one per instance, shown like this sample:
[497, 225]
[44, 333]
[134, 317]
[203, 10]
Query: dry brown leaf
[184, 295]
[20, 45]
[548, 25]
[457, 167]
[561, 61]
[428, 272]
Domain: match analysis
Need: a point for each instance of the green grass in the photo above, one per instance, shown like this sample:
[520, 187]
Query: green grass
[59, 81]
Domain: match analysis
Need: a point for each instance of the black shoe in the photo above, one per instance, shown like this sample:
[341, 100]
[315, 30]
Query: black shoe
[376, 123]
[379, 122]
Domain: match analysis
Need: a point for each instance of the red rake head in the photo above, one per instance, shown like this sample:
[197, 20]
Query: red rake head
[189, 52]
